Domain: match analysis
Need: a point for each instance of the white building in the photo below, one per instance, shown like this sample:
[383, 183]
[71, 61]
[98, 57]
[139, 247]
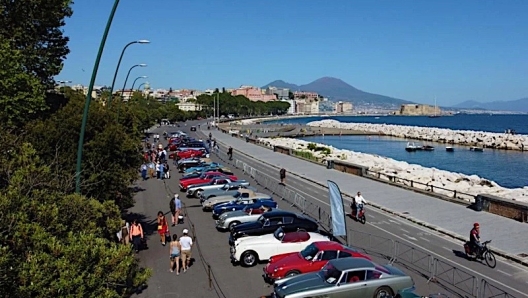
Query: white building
[189, 106]
[292, 109]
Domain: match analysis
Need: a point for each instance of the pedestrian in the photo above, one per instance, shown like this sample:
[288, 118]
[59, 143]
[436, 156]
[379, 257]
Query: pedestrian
[166, 168]
[175, 207]
[162, 171]
[186, 244]
[158, 170]
[151, 170]
[144, 171]
[136, 234]
[282, 174]
[174, 253]
[230, 153]
[163, 227]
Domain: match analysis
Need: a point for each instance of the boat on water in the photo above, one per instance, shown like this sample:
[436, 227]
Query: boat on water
[476, 149]
[411, 147]
[427, 148]
[450, 149]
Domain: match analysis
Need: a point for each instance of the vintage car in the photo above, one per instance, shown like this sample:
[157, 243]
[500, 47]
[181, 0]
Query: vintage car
[230, 219]
[240, 204]
[196, 189]
[269, 222]
[187, 153]
[310, 259]
[205, 178]
[249, 251]
[186, 163]
[347, 277]
[228, 189]
[202, 168]
[226, 171]
[240, 194]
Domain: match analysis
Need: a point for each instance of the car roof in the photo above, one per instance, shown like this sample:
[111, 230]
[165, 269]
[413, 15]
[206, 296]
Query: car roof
[331, 245]
[279, 213]
[350, 263]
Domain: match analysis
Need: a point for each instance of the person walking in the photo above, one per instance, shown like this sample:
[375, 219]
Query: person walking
[174, 253]
[175, 206]
[158, 170]
[282, 174]
[136, 234]
[186, 244]
[230, 153]
[163, 227]
[144, 171]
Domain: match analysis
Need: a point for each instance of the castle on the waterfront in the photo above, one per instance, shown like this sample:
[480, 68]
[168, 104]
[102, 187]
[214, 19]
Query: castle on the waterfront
[418, 110]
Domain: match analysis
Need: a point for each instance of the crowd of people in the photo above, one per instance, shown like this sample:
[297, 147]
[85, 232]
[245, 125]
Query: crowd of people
[155, 163]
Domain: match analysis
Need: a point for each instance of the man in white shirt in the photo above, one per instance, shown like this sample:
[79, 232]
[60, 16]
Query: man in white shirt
[186, 243]
[360, 201]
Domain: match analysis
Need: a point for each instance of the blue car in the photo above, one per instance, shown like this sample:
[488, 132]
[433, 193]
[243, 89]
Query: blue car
[202, 168]
[240, 204]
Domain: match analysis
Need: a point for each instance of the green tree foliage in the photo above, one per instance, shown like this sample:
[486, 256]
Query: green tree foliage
[21, 94]
[241, 106]
[34, 27]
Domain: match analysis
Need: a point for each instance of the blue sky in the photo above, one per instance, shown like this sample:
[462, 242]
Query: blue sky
[413, 50]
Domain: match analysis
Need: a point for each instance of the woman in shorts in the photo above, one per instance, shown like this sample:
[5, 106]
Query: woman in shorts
[174, 251]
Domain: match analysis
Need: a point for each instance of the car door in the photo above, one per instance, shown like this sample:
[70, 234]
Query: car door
[352, 284]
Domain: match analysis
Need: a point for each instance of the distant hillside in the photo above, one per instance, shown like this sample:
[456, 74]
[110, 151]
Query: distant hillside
[519, 105]
[336, 89]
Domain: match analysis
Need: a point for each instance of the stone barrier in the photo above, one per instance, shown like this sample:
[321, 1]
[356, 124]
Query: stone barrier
[506, 208]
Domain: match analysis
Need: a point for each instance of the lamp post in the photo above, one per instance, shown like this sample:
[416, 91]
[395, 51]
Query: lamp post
[141, 41]
[139, 87]
[128, 74]
[141, 77]
[88, 100]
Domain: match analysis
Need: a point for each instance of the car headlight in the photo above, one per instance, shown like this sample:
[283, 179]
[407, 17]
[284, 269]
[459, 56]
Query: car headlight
[232, 249]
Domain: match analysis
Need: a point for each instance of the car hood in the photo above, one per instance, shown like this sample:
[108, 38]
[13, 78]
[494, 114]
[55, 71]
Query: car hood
[194, 181]
[257, 240]
[247, 226]
[293, 259]
[194, 185]
[220, 199]
[303, 282]
[236, 213]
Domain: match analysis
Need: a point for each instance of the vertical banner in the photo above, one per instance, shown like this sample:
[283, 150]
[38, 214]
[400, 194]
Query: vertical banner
[338, 212]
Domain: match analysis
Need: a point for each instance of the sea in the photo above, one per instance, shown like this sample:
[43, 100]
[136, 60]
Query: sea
[507, 168]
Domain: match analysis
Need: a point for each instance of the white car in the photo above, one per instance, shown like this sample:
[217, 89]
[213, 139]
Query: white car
[248, 251]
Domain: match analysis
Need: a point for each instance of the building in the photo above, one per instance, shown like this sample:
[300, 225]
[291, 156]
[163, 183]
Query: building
[418, 110]
[306, 107]
[280, 93]
[342, 107]
[293, 107]
[305, 95]
[253, 93]
[189, 106]
[96, 92]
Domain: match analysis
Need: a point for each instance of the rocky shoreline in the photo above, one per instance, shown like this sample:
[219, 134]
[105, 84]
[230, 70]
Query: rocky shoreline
[466, 186]
[480, 139]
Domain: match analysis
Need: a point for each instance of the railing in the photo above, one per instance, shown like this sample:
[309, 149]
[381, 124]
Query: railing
[432, 267]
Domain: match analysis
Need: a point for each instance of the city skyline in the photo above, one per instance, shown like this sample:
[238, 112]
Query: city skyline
[409, 50]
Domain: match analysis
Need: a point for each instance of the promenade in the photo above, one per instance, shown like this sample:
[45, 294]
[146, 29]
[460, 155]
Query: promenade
[444, 217]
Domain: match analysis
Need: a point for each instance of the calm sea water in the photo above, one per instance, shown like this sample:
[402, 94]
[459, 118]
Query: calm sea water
[507, 168]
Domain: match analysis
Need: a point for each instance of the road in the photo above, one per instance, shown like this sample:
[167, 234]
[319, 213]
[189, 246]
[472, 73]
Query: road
[507, 276]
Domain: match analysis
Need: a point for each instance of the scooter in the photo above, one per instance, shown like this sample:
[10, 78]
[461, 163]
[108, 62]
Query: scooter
[484, 254]
[358, 217]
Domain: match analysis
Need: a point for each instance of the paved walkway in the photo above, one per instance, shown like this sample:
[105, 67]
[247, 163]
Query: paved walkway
[508, 235]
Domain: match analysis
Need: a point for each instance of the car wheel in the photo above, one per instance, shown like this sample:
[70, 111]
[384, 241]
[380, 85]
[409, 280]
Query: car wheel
[249, 259]
[383, 292]
[198, 193]
[233, 224]
[292, 273]
[211, 196]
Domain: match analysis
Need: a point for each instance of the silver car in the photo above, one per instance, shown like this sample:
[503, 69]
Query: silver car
[196, 190]
[227, 189]
[242, 193]
[230, 219]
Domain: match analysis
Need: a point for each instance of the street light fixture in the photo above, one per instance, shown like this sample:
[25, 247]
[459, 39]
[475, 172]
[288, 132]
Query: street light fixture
[139, 87]
[133, 84]
[128, 74]
[88, 100]
[141, 41]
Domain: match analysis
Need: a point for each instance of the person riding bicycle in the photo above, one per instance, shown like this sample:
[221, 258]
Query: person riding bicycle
[474, 239]
[360, 201]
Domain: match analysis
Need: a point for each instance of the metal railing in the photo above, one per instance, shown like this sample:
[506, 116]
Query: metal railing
[435, 269]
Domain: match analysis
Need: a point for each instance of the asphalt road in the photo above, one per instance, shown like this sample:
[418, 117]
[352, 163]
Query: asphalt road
[507, 276]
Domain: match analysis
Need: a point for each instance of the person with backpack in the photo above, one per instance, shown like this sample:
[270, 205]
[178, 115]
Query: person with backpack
[136, 234]
[175, 205]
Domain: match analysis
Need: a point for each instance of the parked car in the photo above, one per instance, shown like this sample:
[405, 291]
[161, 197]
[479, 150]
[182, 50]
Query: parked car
[230, 219]
[187, 153]
[240, 194]
[248, 251]
[196, 189]
[347, 277]
[202, 168]
[184, 164]
[269, 222]
[205, 178]
[226, 171]
[312, 258]
[241, 204]
[228, 189]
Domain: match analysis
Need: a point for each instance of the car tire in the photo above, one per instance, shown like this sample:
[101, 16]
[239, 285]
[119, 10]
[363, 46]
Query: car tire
[233, 224]
[292, 273]
[382, 292]
[249, 258]
[198, 192]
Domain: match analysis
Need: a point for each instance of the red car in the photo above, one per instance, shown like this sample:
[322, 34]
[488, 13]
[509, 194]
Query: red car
[205, 178]
[310, 259]
[186, 154]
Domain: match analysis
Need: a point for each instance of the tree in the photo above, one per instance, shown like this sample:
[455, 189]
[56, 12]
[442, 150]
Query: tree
[34, 28]
[21, 94]
[291, 96]
[223, 90]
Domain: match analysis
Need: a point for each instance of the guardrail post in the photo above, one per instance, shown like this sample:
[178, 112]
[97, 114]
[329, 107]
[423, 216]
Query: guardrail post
[454, 194]
[319, 213]
[434, 266]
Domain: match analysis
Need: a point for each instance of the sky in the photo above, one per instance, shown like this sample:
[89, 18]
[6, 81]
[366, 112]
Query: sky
[413, 50]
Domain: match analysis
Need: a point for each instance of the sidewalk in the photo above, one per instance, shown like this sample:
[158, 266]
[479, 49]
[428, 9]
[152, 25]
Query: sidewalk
[509, 236]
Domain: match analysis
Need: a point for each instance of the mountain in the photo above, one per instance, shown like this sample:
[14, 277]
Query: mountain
[518, 105]
[336, 89]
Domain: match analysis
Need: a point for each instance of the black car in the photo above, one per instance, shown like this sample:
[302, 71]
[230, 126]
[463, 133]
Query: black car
[270, 221]
[189, 163]
[193, 128]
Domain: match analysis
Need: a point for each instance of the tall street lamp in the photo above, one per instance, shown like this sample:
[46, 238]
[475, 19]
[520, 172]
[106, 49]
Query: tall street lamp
[134, 83]
[139, 87]
[88, 100]
[128, 74]
[141, 41]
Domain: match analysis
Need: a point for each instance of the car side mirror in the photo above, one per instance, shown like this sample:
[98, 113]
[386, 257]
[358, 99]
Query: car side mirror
[338, 284]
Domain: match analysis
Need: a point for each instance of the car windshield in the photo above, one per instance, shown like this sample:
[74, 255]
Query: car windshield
[262, 220]
[237, 195]
[225, 187]
[330, 274]
[203, 176]
[279, 234]
[309, 252]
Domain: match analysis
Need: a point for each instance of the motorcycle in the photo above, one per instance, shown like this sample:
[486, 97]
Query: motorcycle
[484, 254]
[358, 217]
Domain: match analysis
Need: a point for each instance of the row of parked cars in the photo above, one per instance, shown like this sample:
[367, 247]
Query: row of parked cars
[302, 260]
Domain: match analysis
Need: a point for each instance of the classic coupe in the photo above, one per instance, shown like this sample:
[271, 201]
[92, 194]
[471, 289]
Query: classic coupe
[269, 222]
[241, 204]
[310, 259]
[225, 171]
[249, 251]
[202, 168]
[230, 219]
[204, 178]
[196, 189]
[189, 153]
[240, 194]
[347, 277]
[184, 164]
[226, 190]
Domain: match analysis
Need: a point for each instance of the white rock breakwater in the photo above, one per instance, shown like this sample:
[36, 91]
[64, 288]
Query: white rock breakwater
[433, 134]
[465, 185]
